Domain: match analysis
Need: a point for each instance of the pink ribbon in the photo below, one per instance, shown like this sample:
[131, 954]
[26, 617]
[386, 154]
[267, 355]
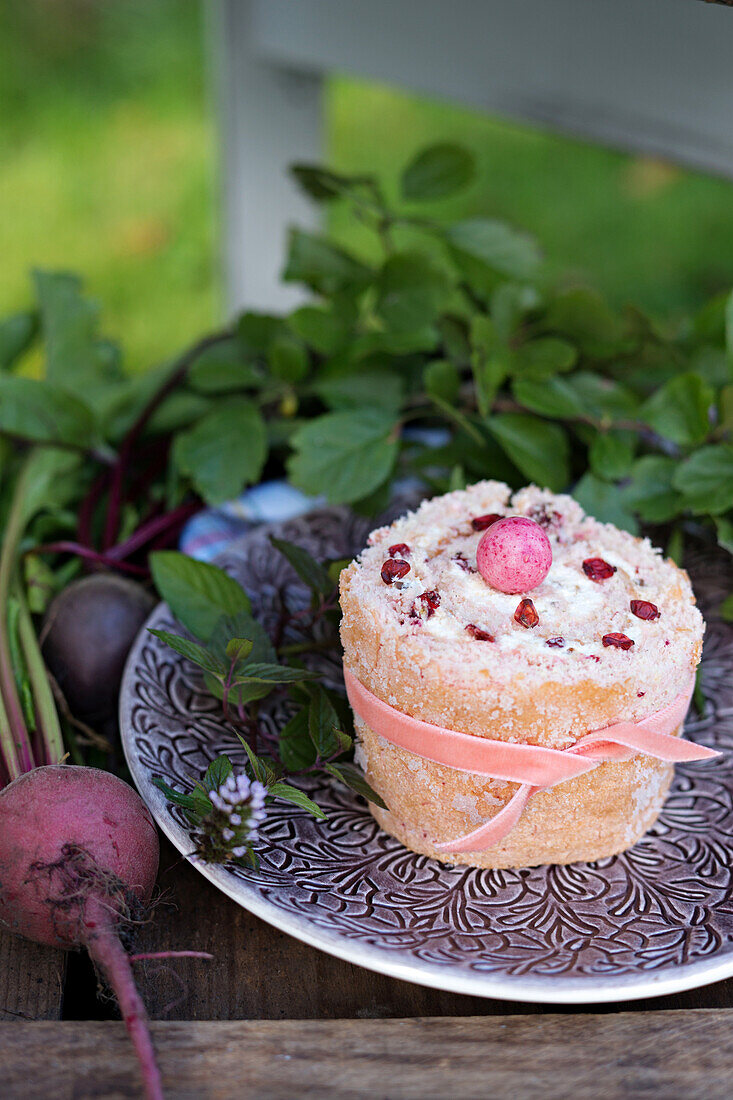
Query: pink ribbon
[534, 767]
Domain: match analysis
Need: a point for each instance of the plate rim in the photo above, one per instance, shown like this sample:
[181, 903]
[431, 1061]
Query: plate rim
[548, 990]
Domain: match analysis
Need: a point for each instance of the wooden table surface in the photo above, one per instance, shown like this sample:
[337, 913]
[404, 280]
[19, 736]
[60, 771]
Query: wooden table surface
[318, 1026]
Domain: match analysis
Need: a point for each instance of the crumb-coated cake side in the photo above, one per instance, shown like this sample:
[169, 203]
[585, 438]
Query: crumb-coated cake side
[611, 634]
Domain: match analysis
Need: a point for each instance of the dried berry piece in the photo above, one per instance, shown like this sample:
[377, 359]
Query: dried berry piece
[480, 523]
[645, 610]
[556, 643]
[479, 634]
[398, 550]
[598, 570]
[393, 569]
[431, 602]
[463, 562]
[526, 614]
[545, 516]
[620, 641]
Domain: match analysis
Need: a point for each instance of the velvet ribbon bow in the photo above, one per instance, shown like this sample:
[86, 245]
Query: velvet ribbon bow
[534, 767]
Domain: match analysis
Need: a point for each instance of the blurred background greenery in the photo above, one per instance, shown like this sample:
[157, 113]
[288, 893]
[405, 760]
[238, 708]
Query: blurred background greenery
[108, 167]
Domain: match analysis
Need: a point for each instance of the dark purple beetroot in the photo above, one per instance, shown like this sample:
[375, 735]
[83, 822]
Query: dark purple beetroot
[87, 634]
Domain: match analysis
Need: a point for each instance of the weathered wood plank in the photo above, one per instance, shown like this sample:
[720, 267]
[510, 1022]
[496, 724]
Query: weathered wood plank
[31, 980]
[685, 1055]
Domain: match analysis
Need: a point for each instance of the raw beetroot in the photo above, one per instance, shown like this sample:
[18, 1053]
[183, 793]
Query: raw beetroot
[78, 861]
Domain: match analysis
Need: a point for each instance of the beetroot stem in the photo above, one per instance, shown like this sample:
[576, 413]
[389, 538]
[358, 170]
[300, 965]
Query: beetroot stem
[109, 955]
[47, 716]
[127, 448]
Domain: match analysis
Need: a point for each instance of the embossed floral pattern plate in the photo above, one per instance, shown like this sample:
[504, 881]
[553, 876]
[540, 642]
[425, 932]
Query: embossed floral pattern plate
[654, 920]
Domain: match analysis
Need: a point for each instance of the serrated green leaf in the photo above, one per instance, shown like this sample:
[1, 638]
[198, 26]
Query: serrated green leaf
[729, 328]
[346, 455]
[650, 492]
[554, 397]
[321, 329]
[376, 388]
[298, 798]
[224, 451]
[238, 649]
[412, 291]
[353, 778]
[255, 672]
[545, 357]
[223, 368]
[198, 593]
[705, 479]
[288, 358]
[297, 751]
[260, 767]
[680, 409]
[436, 172]
[217, 772]
[195, 804]
[311, 572]
[322, 722]
[605, 502]
[192, 651]
[611, 455]
[441, 379]
[318, 263]
[586, 319]
[40, 412]
[499, 246]
[538, 449]
[17, 333]
[256, 331]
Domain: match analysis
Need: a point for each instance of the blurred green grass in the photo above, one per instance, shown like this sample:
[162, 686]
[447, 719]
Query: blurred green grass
[108, 167]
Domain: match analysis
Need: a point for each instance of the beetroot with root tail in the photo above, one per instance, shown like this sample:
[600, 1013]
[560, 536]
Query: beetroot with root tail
[78, 861]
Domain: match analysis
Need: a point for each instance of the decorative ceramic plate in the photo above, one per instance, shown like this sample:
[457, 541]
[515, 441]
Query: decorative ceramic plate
[657, 919]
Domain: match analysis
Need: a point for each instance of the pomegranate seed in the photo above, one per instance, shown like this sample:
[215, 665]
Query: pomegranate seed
[640, 694]
[463, 562]
[545, 517]
[398, 550]
[526, 614]
[393, 569]
[480, 523]
[556, 643]
[431, 601]
[479, 634]
[620, 641]
[598, 570]
[645, 610]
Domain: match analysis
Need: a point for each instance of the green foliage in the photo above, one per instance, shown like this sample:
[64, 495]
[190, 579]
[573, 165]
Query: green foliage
[436, 172]
[197, 593]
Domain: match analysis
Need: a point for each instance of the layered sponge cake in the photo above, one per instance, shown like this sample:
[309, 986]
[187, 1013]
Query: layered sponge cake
[437, 655]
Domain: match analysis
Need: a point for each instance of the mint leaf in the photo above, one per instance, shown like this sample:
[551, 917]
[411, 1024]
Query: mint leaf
[441, 379]
[506, 250]
[321, 329]
[192, 652]
[322, 722]
[353, 778]
[238, 649]
[311, 572]
[539, 450]
[197, 593]
[255, 672]
[437, 172]
[224, 451]
[196, 804]
[223, 368]
[298, 798]
[288, 358]
[346, 455]
[705, 479]
[296, 749]
[586, 319]
[217, 772]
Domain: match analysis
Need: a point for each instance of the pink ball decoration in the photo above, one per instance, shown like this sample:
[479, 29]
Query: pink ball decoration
[514, 554]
